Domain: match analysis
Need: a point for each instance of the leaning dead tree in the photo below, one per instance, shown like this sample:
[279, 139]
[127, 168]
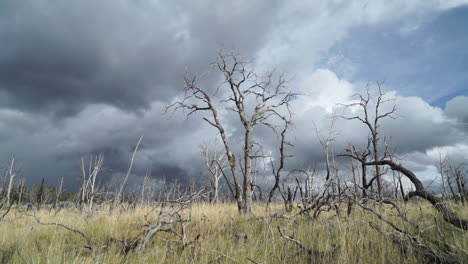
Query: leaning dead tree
[255, 100]
[419, 191]
[389, 160]
[122, 186]
[371, 115]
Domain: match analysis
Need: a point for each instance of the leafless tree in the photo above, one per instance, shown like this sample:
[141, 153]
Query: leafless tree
[355, 176]
[371, 108]
[398, 184]
[255, 100]
[456, 173]
[146, 186]
[40, 195]
[21, 188]
[365, 184]
[58, 192]
[419, 191]
[122, 186]
[10, 175]
[282, 152]
[390, 160]
[216, 162]
[326, 142]
[90, 171]
[305, 181]
[441, 166]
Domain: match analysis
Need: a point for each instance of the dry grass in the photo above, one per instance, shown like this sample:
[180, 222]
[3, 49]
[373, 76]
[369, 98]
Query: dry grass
[225, 237]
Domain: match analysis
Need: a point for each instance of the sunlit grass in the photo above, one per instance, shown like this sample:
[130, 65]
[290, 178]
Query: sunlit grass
[224, 235]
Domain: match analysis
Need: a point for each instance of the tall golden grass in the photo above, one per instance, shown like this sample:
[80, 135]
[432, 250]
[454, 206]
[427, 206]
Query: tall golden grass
[224, 237]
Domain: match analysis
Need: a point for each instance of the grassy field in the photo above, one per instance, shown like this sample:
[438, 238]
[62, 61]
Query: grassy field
[223, 237]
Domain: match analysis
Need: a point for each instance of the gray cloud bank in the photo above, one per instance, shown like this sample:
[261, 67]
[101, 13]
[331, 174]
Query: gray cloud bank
[82, 77]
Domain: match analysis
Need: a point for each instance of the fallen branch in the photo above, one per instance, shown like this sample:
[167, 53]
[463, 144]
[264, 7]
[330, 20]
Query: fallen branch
[428, 253]
[304, 248]
[253, 261]
[217, 259]
[6, 212]
[61, 225]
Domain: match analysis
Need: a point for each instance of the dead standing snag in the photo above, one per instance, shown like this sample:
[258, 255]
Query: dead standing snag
[254, 99]
[372, 122]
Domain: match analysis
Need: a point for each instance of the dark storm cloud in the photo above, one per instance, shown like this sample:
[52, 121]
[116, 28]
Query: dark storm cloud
[47, 149]
[61, 55]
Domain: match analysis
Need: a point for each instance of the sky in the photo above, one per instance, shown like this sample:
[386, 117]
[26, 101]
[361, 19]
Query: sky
[82, 77]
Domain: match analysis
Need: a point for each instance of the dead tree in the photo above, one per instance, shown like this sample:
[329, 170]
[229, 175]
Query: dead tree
[371, 120]
[216, 162]
[388, 159]
[277, 171]
[441, 166]
[398, 183]
[288, 194]
[21, 187]
[448, 215]
[58, 192]
[326, 143]
[306, 185]
[254, 99]
[332, 178]
[456, 173]
[122, 186]
[146, 186]
[40, 195]
[170, 216]
[355, 177]
[89, 173]
[364, 154]
[10, 175]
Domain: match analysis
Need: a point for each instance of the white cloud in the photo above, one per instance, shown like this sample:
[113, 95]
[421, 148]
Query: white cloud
[455, 153]
[417, 131]
[457, 108]
[324, 89]
[305, 29]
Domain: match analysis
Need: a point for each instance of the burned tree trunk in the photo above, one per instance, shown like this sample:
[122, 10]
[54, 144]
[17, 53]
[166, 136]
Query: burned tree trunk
[283, 156]
[248, 188]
